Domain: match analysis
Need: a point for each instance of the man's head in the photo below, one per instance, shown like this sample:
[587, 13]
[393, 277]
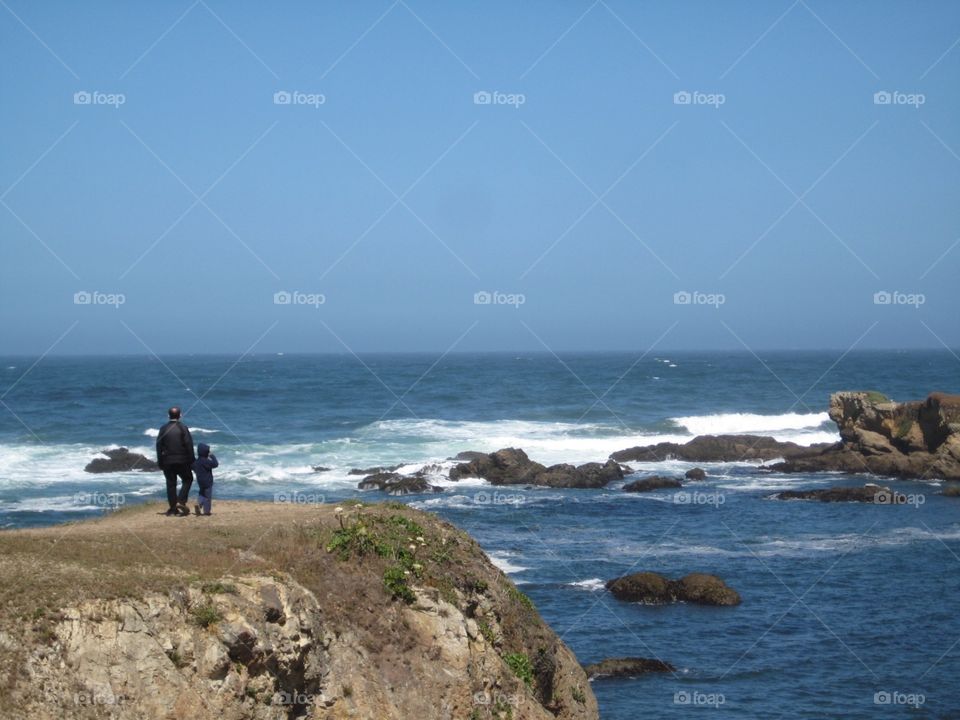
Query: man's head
[174, 413]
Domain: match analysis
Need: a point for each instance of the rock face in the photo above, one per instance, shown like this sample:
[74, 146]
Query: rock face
[121, 460]
[910, 440]
[626, 667]
[655, 482]
[395, 484]
[867, 494]
[713, 448]
[654, 589]
[511, 466]
[317, 636]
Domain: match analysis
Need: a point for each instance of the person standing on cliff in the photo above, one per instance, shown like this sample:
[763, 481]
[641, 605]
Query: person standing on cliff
[175, 456]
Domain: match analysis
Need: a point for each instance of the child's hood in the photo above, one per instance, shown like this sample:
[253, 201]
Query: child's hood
[203, 450]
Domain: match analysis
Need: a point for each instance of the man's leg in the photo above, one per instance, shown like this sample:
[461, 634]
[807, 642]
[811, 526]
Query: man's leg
[186, 476]
[170, 475]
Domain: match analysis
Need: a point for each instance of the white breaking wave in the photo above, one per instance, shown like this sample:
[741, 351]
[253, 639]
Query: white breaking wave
[154, 432]
[502, 560]
[738, 423]
[593, 584]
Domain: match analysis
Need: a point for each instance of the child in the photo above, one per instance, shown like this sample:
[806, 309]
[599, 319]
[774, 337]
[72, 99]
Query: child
[203, 468]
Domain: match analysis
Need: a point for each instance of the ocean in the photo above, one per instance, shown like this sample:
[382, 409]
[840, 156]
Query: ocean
[846, 607]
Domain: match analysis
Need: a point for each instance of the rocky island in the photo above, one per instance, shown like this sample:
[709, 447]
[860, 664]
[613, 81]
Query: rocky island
[273, 611]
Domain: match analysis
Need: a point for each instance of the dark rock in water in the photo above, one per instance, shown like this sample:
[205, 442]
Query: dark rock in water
[121, 460]
[713, 448]
[654, 589]
[469, 455]
[320, 468]
[626, 667]
[374, 470]
[695, 474]
[395, 484]
[867, 494]
[656, 482]
[511, 466]
[951, 489]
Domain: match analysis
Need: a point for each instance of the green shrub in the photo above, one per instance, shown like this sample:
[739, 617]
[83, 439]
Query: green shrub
[205, 615]
[395, 581]
[520, 664]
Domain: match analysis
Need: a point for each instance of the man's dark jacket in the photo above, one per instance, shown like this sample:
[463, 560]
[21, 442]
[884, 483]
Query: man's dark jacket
[175, 445]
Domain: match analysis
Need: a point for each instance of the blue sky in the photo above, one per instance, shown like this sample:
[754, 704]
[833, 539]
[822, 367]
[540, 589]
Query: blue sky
[782, 198]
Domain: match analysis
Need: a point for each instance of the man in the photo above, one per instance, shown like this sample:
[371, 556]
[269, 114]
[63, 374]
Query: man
[175, 455]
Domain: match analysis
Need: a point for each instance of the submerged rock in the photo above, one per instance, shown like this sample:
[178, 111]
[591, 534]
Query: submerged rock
[396, 484]
[121, 460]
[654, 589]
[626, 667]
[374, 470]
[511, 466]
[655, 482]
[869, 493]
[695, 474]
[713, 448]
[320, 468]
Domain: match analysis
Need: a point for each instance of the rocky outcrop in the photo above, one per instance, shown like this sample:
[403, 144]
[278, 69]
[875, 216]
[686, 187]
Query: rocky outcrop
[395, 484]
[869, 493]
[713, 448]
[511, 466]
[655, 482]
[654, 589]
[626, 667]
[121, 460]
[695, 474]
[374, 470]
[909, 440]
[300, 629]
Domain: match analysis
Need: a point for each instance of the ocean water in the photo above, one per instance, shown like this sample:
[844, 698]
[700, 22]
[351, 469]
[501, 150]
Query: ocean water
[847, 609]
